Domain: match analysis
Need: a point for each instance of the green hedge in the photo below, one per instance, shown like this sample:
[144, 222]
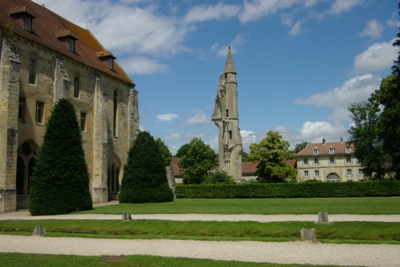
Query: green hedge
[290, 190]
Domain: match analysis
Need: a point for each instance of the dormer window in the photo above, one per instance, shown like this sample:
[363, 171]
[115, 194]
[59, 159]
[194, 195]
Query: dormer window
[22, 13]
[331, 150]
[315, 151]
[71, 44]
[348, 149]
[68, 37]
[27, 23]
[110, 63]
[107, 56]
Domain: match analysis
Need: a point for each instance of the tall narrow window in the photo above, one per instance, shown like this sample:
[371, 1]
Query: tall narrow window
[83, 122]
[227, 113]
[110, 63]
[71, 44]
[32, 71]
[27, 22]
[39, 111]
[316, 161]
[305, 161]
[306, 173]
[115, 109]
[331, 160]
[230, 134]
[76, 87]
[348, 160]
[21, 109]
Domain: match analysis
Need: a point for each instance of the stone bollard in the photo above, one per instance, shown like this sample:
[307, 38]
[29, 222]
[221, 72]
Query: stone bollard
[308, 235]
[323, 218]
[126, 216]
[39, 230]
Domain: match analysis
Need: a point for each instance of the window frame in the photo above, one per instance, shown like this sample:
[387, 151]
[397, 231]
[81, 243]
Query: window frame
[315, 151]
[305, 173]
[71, 44]
[305, 161]
[348, 160]
[21, 109]
[316, 161]
[27, 21]
[331, 150]
[332, 160]
[39, 112]
[83, 121]
[76, 87]
[349, 172]
[316, 173]
[32, 71]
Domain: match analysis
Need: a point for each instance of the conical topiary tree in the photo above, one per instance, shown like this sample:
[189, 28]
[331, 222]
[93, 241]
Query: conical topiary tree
[60, 180]
[144, 178]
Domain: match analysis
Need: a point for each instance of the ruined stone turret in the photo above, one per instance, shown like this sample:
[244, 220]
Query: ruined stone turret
[226, 118]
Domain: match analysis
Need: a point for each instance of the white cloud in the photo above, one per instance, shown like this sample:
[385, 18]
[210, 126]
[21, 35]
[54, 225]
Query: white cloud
[340, 6]
[172, 137]
[393, 21]
[313, 132]
[222, 51]
[218, 12]
[123, 27]
[166, 117]
[197, 119]
[142, 65]
[373, 29]
[356, 89]
[256, 9]
[378, 56]
[248, 138]
[296, 29]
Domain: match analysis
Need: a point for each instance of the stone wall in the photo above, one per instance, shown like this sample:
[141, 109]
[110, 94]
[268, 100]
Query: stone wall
[55, 75]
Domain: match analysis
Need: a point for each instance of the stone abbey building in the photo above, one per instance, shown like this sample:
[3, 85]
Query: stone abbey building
[44, 57]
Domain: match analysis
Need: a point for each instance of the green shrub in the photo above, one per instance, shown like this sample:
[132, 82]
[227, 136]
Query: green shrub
[145, 178]
[219, 177]
[60, 180]
[290, 190]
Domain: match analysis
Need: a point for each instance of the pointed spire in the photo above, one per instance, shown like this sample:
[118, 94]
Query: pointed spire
[229, 65]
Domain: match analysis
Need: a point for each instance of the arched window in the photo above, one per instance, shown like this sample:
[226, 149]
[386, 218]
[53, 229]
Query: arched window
[333, 177]
[25, 164]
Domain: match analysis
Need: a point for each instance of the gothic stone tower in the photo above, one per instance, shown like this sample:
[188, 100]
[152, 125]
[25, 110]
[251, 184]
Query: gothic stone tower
[226, 118]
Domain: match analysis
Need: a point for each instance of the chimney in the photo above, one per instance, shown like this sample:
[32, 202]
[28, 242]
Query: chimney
[323, 141]
[341, 139]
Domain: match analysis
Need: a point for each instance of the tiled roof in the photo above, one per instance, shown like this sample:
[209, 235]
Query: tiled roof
[323, 148]
[46, 26]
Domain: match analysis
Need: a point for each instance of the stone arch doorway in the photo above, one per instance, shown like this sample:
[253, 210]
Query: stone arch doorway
[26, 161]
[333, 177]
[113, 177]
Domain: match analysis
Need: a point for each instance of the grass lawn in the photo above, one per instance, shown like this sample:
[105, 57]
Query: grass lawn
[339, 232]
[375, 205]
[37, 260]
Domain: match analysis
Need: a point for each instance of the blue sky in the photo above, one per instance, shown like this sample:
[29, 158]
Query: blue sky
[299, 63]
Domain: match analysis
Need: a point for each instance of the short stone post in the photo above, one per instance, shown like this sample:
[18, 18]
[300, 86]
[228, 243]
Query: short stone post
[323, 218]
[308, 235]
[126, 216]
[39, 230]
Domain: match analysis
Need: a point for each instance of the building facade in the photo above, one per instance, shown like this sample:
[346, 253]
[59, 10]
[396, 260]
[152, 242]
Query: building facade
[226, 118]
[328, 162]
[44, 57]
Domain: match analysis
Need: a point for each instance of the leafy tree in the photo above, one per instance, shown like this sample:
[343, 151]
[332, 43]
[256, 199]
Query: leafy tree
[60, 180]
[164, 152]
[199, 159]
[389, 97]
[144, 178]
[270, 154]
[300, 146]
[364, 134]
[182, 150]
[219, 177]
[245, 157]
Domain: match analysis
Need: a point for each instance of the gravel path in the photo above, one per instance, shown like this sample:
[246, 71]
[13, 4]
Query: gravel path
[273, 252]
[285, 252]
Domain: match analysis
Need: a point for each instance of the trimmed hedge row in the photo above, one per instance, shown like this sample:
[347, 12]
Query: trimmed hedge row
[290, 190]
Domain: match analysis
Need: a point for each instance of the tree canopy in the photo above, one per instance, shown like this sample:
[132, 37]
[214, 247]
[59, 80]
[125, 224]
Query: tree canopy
[365, 135]
[60, 180]
[198, 159]
[376, 134]
[165, 153]
[270, 154]
[144, 178]
[182, 150]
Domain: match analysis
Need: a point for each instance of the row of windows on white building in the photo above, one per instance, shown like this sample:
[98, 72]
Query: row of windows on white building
[332, 161]
[317, 173]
